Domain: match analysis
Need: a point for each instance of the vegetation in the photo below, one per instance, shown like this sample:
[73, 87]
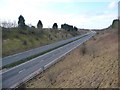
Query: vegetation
[21, 22]
[97, 68]
[55, 26]
[116, 23]
[39, 25]
[75, 28]
[24, 37]
[83, 50]
[15, 40]
[34, 56]
[69, 27]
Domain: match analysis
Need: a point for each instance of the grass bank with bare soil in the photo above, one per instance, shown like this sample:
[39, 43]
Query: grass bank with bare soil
[15, 41]
[92, 65]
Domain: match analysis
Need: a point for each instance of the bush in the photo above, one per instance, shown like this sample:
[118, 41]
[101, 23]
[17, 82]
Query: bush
[22, 32]
[39, 25]
[51, 78]
[21, 22]
[97, 32]
[83, 49]
[17, 36]
[55, 26]
[24, 42]
[94, 38]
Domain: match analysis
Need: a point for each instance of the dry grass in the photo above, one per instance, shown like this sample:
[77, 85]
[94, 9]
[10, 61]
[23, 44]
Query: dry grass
[97, 68]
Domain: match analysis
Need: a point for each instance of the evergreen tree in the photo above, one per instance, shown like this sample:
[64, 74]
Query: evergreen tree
[55, 26]
[21, 22]
[39, 25]
[75, 28]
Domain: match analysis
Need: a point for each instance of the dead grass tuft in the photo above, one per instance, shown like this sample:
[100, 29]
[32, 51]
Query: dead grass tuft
[97, 68]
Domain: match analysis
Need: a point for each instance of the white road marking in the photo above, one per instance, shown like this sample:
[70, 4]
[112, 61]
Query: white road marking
[21, 70]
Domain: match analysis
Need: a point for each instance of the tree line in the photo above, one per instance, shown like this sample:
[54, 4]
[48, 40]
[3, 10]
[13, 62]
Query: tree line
[22, 25]
[69, 27]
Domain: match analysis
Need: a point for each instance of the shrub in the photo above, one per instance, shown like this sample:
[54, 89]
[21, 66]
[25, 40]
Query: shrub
[39, 25]
[55, 26]
[21, 22]
[24, 42]
[83, 50]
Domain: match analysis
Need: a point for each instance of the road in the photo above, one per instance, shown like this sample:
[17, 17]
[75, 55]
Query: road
[17, 57]
[23, 72]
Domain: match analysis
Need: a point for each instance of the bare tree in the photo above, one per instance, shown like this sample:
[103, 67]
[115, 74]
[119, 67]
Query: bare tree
[4, 24]
[8, 24]
[15, 24]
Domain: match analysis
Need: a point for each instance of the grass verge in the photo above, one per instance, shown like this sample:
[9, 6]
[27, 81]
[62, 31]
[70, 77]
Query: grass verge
[34, 56]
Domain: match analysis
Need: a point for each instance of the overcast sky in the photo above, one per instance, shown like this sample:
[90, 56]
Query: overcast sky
[81, 13]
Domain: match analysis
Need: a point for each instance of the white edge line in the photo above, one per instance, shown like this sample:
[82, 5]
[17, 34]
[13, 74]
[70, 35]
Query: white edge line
[32, 49]
[33, 59]
[40, 70]
[66, 53]
[52, 43]
[27, 78]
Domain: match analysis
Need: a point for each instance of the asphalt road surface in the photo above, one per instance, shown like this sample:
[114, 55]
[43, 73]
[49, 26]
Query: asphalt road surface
[17, 57]
[23, 72]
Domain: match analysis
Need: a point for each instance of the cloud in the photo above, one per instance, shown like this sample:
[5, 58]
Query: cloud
[41, 10]
[113, 4]
[99, 21]
[74, 1]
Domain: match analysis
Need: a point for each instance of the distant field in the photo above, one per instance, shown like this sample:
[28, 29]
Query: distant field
[14, 40]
